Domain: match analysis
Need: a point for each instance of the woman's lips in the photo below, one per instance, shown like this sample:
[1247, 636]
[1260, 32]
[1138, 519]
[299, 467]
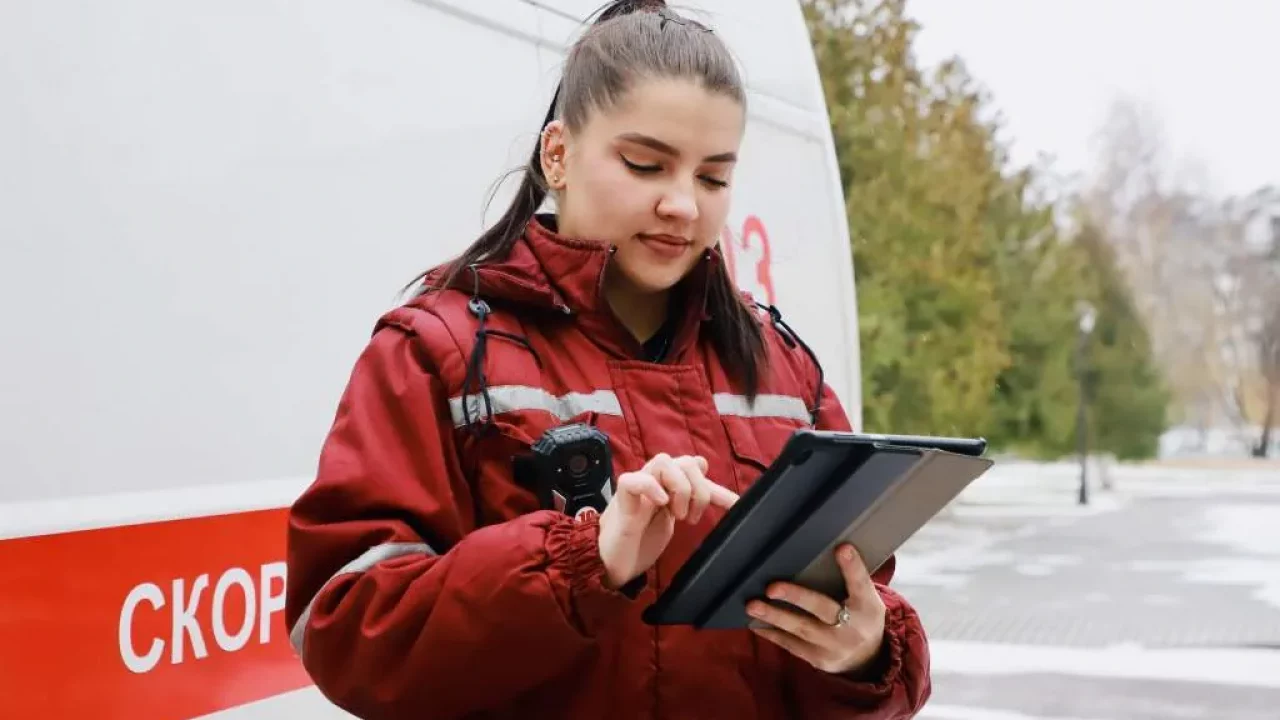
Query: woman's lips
[667, 246]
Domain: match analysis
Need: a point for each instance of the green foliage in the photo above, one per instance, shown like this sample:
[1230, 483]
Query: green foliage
[1037, 394]
[1128, 399]
[967, 286]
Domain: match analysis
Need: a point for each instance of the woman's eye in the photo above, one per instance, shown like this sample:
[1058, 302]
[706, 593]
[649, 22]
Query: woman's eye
[708, 180]
[635, 167]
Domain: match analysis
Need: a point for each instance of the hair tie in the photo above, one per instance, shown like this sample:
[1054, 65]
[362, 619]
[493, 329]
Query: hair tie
[668, 17]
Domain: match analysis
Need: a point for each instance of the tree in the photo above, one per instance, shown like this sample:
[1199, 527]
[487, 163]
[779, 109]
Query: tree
[1269, 361]
[1199, 274]
[967, 280]
[918, 168]
[1127, 399]
[1259, 278]
[1156, 228]
[1035, 398]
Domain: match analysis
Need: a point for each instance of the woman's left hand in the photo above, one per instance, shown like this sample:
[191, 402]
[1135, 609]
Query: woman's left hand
[842, 639]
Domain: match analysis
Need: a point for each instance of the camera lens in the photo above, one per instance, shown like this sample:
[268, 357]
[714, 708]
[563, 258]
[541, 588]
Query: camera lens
[579, 464]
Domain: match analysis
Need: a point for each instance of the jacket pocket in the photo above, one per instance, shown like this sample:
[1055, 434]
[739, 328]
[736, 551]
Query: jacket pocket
[756, 442]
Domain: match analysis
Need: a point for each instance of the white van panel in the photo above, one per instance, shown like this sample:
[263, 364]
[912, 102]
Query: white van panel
[789, 193]
[203, 208]
[197, 239]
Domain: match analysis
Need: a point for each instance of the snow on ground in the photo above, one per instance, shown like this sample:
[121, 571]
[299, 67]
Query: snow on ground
[959, 712]
[1023, 520]
[1247, 668]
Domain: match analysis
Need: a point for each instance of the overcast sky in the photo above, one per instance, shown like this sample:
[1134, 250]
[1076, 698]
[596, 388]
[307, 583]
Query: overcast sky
[1209, 70]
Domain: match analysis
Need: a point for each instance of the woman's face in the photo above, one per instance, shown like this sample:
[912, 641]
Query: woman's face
[651, 176]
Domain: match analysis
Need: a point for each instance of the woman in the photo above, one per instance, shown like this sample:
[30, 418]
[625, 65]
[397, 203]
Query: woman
[425, 580]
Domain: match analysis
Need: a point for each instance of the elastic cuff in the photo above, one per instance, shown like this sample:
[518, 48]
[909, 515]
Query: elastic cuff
[873, 685]
[878, 680]
[586, 568]
[576, 544]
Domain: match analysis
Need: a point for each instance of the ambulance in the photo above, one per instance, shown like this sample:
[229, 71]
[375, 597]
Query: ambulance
[204, 208]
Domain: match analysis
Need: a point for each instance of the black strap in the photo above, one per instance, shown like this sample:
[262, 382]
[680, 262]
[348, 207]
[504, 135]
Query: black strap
[475, 381]
[791, 338]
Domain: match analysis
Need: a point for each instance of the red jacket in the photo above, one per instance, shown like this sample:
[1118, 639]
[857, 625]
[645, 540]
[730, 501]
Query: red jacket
[425, 582]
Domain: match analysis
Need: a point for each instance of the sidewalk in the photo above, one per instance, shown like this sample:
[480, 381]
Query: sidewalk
[1159, 599]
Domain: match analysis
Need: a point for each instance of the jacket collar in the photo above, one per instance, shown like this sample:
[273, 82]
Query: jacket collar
[550, 271]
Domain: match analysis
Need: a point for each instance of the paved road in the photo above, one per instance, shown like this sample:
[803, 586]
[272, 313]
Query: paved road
[1160, 601]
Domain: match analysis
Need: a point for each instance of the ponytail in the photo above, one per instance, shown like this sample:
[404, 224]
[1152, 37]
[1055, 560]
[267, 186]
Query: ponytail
[496, 242]
[734, 331]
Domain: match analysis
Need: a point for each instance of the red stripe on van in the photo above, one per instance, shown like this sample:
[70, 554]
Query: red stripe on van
[88, 620]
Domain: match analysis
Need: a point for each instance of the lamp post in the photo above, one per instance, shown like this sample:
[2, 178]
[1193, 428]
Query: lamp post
[1087, 318]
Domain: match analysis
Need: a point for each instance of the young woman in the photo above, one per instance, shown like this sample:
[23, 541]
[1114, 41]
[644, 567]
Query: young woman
[426, 580]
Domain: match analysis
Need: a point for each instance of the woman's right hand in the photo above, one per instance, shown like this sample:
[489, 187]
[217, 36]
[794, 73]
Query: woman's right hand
[640, 519]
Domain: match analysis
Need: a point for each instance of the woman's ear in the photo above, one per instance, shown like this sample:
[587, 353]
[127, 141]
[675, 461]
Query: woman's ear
[554, 152]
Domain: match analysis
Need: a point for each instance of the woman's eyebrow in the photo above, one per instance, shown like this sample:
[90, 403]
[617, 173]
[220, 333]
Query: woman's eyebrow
[655, 144]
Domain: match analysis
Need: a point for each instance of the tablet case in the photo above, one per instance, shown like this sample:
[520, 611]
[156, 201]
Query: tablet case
[825, 488]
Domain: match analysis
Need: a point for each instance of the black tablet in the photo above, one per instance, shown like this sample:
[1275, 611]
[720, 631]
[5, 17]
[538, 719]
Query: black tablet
[824, 489]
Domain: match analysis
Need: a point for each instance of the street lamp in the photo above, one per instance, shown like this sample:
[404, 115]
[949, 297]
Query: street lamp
[1087, 317]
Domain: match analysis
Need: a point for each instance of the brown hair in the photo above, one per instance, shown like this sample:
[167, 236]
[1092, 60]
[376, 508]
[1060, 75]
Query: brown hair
[629, 40]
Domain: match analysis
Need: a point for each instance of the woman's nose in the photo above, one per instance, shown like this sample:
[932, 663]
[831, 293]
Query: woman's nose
[679, 203]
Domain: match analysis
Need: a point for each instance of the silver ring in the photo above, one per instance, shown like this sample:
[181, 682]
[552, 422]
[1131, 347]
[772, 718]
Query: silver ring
[843, 617]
